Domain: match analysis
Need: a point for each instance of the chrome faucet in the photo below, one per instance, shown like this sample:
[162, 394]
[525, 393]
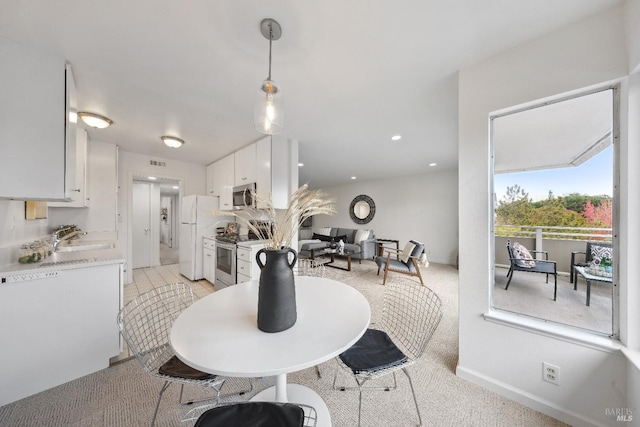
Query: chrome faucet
[64, 233]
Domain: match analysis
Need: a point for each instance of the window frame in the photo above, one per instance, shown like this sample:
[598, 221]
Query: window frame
[545, 326]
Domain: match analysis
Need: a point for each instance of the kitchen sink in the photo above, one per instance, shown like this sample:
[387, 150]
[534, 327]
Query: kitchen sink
[84, 246]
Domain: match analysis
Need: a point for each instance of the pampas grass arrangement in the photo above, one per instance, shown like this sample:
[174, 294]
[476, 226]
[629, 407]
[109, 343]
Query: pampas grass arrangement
[304, 203]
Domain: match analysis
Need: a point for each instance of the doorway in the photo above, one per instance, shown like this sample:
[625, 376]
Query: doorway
[169, 204]
[154, 221]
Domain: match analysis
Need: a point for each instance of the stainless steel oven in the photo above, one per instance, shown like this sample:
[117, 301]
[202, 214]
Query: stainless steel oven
[225, 264]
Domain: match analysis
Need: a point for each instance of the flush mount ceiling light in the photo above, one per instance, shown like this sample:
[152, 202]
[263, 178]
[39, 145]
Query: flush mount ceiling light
[172, 141]
[268, 113]
[95, 120]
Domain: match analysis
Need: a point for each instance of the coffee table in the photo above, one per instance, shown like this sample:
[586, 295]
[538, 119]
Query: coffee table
[332, 253]
[589, 278]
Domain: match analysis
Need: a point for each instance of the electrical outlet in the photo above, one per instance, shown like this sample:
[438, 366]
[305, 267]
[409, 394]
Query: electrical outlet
[551, 373]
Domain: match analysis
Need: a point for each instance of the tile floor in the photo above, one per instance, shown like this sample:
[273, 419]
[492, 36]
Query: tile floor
[145, 279]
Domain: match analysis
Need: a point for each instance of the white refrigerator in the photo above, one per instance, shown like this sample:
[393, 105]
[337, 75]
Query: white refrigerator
[196, 220]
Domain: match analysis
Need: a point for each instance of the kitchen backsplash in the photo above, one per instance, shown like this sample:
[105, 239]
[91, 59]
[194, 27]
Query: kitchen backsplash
[15, 230]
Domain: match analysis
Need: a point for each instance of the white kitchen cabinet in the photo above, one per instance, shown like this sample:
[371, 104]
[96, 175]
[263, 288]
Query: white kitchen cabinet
[77, 171]
[38, 121]
[245, 165]
[66, 330]
[223, 181]
[277, 170]
[210, 179]
[102, 181]
[209, 259]
[246, 265]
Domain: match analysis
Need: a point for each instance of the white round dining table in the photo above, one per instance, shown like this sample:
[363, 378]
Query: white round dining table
[219, 335]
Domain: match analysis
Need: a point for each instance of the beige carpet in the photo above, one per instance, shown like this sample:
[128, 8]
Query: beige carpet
[123, 395]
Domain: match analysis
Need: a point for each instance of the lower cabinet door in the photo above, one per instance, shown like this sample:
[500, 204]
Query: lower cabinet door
[209, 265]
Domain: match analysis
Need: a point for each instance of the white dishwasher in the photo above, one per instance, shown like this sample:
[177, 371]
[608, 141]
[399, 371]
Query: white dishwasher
[56, 325]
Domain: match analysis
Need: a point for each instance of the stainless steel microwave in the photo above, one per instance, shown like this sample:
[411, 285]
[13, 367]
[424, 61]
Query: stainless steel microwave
[244, 196]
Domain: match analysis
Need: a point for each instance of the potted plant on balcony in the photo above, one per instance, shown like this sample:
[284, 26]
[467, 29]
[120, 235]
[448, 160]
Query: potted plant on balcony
[276, 294]
[605, 262]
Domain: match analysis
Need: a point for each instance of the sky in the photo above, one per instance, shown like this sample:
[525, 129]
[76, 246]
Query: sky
[593, 177]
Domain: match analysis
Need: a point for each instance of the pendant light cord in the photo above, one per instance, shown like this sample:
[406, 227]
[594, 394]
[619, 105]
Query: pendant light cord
[270, 41]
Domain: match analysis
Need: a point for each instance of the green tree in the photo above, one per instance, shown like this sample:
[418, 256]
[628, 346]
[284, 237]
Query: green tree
[514, 208]
[554, 214]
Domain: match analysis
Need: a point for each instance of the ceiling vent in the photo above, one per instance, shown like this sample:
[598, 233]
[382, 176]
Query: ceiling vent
[157, 163]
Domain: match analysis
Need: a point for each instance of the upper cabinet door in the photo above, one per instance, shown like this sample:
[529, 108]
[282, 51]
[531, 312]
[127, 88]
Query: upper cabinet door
[77, 174]
[211, 191]
[35, 122]
[245, 165]
[223, 181]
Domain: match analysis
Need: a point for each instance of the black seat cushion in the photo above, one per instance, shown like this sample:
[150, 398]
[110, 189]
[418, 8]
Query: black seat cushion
[175, 367]
[373, 352]
[253, 414]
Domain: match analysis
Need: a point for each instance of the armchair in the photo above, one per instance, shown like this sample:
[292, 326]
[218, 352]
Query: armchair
[407, 262]
[521, 260]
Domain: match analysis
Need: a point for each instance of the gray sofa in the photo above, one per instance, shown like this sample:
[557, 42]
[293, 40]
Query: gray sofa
[365, 249]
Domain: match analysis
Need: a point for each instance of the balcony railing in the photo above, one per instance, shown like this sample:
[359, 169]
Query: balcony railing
[546, 232]
[559, 242]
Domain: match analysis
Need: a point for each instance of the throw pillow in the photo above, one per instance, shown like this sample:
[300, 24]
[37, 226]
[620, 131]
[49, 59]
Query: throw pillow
[360, 236]
[326, 231]
[597, 252]
[406, 252]
[523, 256]
[322, 237]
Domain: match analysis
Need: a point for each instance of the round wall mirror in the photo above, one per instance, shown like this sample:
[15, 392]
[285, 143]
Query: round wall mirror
[362, 209]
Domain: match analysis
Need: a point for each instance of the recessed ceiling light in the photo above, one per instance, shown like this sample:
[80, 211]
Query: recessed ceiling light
[433, 164]
[175, 187]
[353, 177]
[95, 120]
[300, 164]
[151, 177]
[172, 141]
[396, 138]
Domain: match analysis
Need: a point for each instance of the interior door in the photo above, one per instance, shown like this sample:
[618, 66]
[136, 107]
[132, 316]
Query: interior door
[141, 225]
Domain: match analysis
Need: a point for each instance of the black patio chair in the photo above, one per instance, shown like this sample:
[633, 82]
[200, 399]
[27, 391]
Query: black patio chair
[532, 266]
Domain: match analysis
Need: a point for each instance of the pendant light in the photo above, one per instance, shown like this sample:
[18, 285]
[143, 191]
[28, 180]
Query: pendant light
[268, 114]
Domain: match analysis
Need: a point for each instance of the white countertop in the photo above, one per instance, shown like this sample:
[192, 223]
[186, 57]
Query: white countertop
[69, 260]
[250, 243]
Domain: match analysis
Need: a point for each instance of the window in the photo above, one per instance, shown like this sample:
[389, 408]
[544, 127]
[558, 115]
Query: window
[554, 186]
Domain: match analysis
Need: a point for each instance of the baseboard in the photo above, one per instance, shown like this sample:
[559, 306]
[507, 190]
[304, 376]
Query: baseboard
[532, 401]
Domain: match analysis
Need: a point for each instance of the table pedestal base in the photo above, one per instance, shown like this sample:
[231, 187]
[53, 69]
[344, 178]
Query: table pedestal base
[297, 393]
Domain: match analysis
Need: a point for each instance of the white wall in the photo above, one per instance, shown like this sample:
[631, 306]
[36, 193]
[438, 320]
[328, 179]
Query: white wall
[422, 207]
[632, 29]
[192, 179]
[501, 357]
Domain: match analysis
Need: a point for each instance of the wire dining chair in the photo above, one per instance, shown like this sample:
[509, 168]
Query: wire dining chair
[145, 324]
[410, 315]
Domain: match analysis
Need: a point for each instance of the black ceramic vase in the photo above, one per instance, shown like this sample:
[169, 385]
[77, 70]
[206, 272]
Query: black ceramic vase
[277, 290]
